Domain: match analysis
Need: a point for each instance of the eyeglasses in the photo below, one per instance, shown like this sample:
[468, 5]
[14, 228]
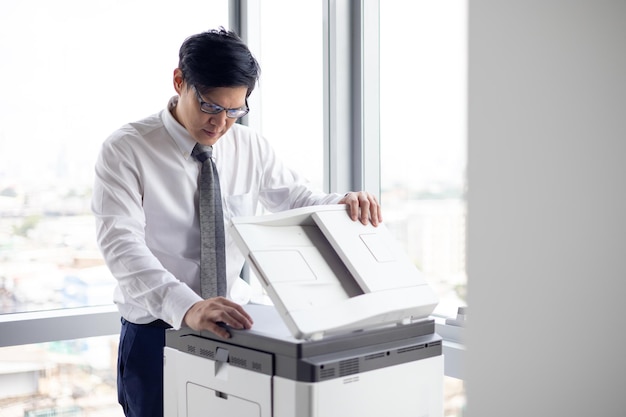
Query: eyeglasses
[211, 108]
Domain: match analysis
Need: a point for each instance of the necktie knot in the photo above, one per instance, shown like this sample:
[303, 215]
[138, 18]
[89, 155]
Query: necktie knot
[202, 152]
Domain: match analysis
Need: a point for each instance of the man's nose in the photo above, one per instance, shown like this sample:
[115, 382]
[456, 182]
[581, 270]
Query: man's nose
[219, 119]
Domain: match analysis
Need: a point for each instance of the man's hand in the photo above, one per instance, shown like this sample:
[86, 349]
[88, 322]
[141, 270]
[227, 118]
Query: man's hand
[363, 206]
[206, 314]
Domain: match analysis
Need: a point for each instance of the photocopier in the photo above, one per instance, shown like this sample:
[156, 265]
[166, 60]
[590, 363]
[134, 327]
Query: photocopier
[347, 333]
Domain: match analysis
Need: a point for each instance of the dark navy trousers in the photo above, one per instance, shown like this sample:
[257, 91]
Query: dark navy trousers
[140, 369]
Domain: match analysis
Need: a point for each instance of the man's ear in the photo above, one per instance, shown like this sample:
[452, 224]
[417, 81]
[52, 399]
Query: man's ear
[179, 81]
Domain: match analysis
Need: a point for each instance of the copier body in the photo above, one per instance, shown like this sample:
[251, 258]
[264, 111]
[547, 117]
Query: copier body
[373, 350]
[265, 372]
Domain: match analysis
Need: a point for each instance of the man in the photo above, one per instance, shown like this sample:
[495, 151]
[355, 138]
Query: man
[146, 206]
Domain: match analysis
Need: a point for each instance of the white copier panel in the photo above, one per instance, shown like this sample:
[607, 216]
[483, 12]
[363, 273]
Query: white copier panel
[348, 332]
[328, 274]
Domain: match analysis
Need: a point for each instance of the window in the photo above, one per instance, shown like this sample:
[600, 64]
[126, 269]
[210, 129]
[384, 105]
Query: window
[291, 84]
[62, 378]
[423, 137]
[68, 86]
[74, 71]
[72, 84]
[423, 66]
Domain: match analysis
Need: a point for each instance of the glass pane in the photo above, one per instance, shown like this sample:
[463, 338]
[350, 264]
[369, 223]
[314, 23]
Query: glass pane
[65, 378]
[67, 87]
[423, 137]
[291, 84]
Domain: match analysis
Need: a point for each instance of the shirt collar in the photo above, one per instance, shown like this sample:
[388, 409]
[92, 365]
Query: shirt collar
[178, 132]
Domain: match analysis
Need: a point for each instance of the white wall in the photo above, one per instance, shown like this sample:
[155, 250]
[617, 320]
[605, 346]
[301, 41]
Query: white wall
[547, 208]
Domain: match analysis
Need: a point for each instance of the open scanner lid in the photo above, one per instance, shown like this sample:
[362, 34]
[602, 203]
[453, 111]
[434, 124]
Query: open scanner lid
[327, 274]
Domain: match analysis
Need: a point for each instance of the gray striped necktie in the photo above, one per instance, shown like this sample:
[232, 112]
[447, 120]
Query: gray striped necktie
[212, 252]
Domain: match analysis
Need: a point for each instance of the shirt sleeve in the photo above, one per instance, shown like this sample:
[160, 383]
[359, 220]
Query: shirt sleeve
[120, 226]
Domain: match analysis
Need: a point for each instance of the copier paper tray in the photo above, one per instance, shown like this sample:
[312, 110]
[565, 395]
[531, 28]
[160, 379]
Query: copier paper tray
[327, 274]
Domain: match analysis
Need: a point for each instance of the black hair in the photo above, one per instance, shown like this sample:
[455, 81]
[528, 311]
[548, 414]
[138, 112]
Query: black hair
[217, 58]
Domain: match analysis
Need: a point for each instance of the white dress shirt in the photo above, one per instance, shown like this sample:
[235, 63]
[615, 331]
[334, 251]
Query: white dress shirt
[145, 202]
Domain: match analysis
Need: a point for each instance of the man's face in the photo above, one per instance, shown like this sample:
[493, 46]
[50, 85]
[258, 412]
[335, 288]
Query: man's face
[206, 128]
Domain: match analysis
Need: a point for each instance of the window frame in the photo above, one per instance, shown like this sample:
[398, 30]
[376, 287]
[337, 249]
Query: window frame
[62, 324]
